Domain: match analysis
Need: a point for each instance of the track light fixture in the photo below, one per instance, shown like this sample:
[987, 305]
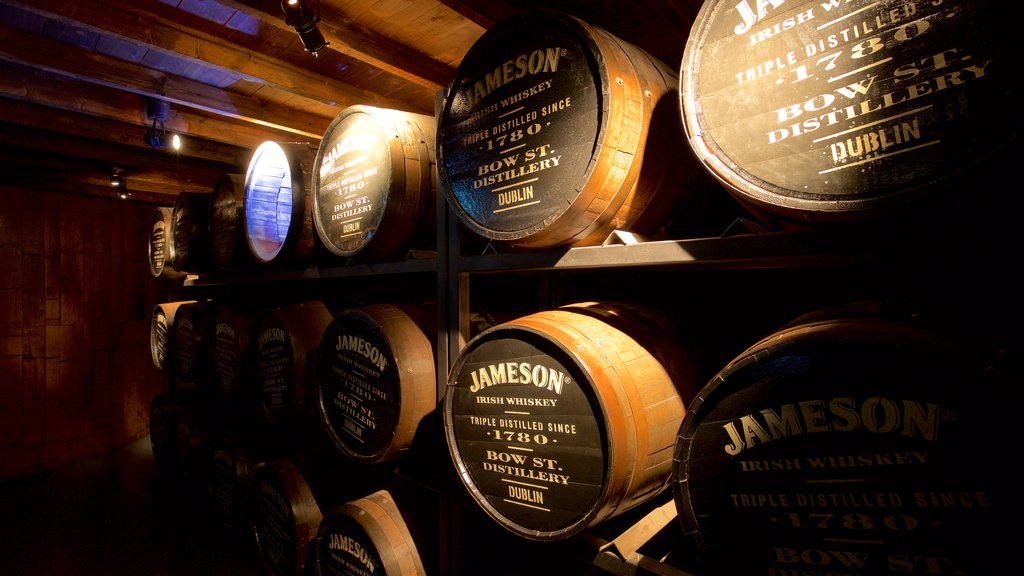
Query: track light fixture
[157, 136]
[117, 179]
[300, 16]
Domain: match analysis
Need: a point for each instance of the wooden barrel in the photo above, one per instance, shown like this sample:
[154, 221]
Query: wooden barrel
[229, 250]
[290, 495]
[286, 517]
[374, 186]
[163, 423]
[562, 419]
[190, 252]
[376, 379]
[160, 246]
[161, 340]
[545, 137]
[190, 336]
[823, 113]
[232, 469]
[284, 345]
[230, 357]
[278, 207]
[379, 534]
[862, 440]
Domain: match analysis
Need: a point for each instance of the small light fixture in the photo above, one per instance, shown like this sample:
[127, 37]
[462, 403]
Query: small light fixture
[157, 136]
[300, 16]
[117, 179]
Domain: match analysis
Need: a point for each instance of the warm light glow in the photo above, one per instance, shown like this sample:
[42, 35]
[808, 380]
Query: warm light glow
[176, 142]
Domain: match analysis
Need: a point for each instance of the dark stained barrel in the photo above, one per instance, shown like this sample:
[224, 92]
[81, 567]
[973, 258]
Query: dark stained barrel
[374, 183]
[230, 354]
[383, 533]
[229, 250]
[163, 425]
[191, 342]
[562, 419]
[286, 517]
[825, 113]
[376, 379]
[284, 343]
[232, 468]
[278, 207]
[554, 132]
[863, 439]
[190, 252]
[160, 246]
[290, 496]
[161, 333]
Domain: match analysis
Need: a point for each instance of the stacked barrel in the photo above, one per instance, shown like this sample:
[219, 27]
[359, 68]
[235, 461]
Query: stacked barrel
[851, 439]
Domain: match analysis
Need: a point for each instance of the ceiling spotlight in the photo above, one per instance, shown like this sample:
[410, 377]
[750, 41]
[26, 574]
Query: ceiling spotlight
[157, 136]
[117, 179]
[300, 16]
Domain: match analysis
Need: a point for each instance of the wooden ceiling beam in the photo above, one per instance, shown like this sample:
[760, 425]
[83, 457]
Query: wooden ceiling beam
[47, 89]
[39, 122]
[59, 58]
[131, 23]
[354, 40]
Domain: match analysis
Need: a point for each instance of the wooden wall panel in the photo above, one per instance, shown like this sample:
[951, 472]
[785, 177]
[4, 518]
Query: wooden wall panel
[75, 297]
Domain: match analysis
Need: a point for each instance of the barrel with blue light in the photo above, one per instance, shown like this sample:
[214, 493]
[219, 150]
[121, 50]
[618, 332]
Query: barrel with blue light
[278, 206]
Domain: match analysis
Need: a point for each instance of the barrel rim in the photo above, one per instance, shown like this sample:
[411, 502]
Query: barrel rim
[790, 205]
[396, 170]
[229, 185]
[383, 320]
[597, 403]
[299, 208]
[573, 26]
[822, 326]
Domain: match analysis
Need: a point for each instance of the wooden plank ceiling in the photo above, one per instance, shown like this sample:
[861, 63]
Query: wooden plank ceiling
[76, 75]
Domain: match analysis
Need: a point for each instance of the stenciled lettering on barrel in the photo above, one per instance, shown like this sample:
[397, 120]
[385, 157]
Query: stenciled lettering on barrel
[528, 435]
[843, 448]
[519, 127]
[844, 102]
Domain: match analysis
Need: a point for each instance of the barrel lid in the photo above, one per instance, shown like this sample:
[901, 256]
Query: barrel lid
[286, 517]
[837, 111]
[358, 386]
[854, 443]
[526, 432]
[520, 124]
[355, 173]
[275, 196]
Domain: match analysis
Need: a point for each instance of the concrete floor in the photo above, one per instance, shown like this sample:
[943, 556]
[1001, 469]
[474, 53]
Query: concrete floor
[107, 515]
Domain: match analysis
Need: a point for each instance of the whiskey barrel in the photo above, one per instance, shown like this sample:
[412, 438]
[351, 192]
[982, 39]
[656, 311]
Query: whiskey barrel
[866, 433]
[231, 361]
[284, 345]
[555, 132]
[190, 252]
[160, 246]
[278, 204]
[286, 517]
[229, 250]
[232, 469]
[292, 493]
[562, 419]
[379, 533]
[161, 339]
[191, 342]
[828, 113]
[163, 425]
[374, 186]
[376, 379]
